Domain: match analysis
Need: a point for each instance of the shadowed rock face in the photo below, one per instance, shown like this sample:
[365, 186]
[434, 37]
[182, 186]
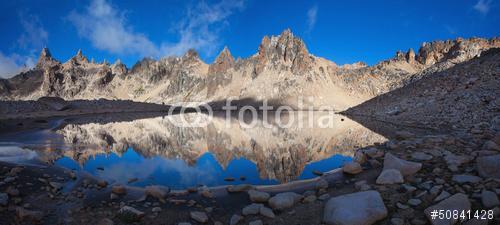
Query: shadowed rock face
[279, 153]
[282, 69]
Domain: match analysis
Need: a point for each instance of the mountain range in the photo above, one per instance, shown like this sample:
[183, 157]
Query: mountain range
[282, 70]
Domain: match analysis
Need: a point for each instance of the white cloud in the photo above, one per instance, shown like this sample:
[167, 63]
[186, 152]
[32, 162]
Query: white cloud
[483, 6]
[33, 38]
[201, 27]
[107, 29]
[312, 14]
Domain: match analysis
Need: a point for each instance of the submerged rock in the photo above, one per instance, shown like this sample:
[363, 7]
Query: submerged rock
[357, 208]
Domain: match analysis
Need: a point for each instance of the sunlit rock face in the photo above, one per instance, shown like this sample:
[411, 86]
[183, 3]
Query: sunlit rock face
[282, 69]
[280, 152]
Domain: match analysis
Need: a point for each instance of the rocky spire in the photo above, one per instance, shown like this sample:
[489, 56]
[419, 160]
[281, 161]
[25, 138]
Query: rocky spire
[79, 58]
[222, 63]
[191, 54]
[119, 68]
[45, 59]
[284, 48]
[410, 56]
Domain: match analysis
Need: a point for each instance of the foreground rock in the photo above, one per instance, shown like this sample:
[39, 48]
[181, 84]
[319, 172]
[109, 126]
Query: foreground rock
[489, 166]
[200, 217]
[284, 200]
[390, 176]
[362, 208]
[405, 167]
[458, 202]
[352, 168]
[258, 196]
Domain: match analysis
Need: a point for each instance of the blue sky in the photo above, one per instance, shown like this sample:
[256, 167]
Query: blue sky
[342, 31]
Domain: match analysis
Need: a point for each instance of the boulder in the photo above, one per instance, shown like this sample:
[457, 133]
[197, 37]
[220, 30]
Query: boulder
[352, 168]
[405, 167]
[105, 221]
[256, 222]
[489, 199]
[284, 200]
[363, 208]
[258, 196]
[458, 202]
[251, 209]
[390, 176]
[267, 212]
[488, 166]
[235, 219]
[198, 216]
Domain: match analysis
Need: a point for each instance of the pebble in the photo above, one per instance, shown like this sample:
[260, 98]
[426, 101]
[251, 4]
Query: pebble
[198, 216]
[235, 219]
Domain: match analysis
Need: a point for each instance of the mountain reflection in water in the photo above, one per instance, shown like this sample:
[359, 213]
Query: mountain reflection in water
[158, 151]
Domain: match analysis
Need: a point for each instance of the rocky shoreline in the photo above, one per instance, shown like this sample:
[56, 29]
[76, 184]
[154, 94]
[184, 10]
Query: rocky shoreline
[397, 182]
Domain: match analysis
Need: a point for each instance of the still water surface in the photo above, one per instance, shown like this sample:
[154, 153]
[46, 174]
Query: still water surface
[157, 150]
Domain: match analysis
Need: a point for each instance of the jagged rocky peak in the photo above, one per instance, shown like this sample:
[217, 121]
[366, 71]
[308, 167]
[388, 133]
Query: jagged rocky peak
[457, 50]
[45, 59]
[191, 56]
[408, 56]
[78, 59]
[119, 68]
[222, 63]
[284, 48]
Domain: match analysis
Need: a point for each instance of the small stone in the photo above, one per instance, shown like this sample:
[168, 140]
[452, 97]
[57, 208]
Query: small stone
[184, 223]
[352, 168]
[156, 209]
[102, 183]
[56, 185]
[119, 190]
[251, 209]
[390, 176]
[405, 167]
[256, 222]
[258, 196]
[284, 200]
[309, 199]
[131, 212]
[267, 212]
[420, 156]
[198, 216]
[409, 188]
[443, 195]
[4, 199]
[324, 197]
[235, 219]
[414, 202]
[317, 173]
[489, 199]
[402, 206]
[465, 178]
